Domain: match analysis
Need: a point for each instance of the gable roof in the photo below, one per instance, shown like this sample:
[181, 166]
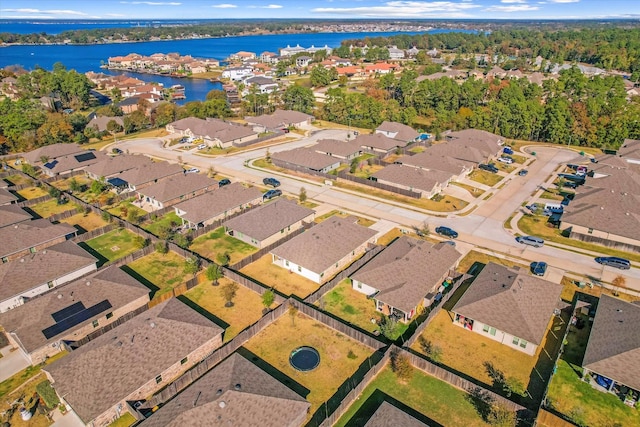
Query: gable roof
[213, 129]
[412, 177]
[407, 270]
[99, 374]
[38, 268]
[27, 234]
[269, 219]
[613, 349]
[325, 244]
[379, 141]
[150, 172]
[12, 214]
[609, 160]
[334, 146]
[630, 149]
[621, 180]
[76, 161]
[402, 132]
[100, 122]
[7, 197]
[511, 301]
[305, 157]
[30, 320]
[117, 164]
[279, 118]
[235, 392]
[388, 415]
[430, 160]
[486, 142]
[217, 202]
[177, 186]
[52, 151]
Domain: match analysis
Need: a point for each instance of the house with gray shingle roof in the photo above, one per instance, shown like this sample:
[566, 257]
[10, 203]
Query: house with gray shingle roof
[70, 312]
[263, 84]
[237, 393]
[7, 197]
[99, 123]
[440, 159]
[32, 236]
[13, 214]
[269, 223]
[176, 189]
[114, 165]
[51, 152]
[613, 349]
[509, 306]
[489, 145]
[325, 249]
[280, 119]
[344, 150]
[217, 204]
[378, 143]
[388, 415]
[72, 162]
[399, 131]
[36, 273]
[405, 276]
[101, 379]
[213, 132]
[148, 174]
[428, 183]
[305, 158]
[630, 150]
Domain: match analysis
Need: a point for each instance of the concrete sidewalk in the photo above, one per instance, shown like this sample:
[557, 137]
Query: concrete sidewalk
[12, 362]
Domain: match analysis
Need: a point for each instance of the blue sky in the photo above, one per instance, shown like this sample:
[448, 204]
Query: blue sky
[388, 9]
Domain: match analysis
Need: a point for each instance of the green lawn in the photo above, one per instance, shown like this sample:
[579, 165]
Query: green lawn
[485, 177]
[423, 393]
[17, 179]
[168, 220]
[165, 271]
[116, 244]
[218, 242]
[125, 420]
[123, 208]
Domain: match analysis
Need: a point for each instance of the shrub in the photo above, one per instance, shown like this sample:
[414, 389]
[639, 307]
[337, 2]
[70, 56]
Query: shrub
[401, 365]
[48, 394]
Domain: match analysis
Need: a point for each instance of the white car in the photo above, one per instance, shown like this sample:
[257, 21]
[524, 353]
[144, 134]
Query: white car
[202, 146]
[507, 160]
[192, 170]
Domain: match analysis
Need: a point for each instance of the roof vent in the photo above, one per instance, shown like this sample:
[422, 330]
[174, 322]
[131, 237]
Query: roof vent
[60, 296]
[152, 324]
[88, 283]
[238, 387]
[45, 251]
[222, 404]
[219, 392]
[21, 259]
[619, 310]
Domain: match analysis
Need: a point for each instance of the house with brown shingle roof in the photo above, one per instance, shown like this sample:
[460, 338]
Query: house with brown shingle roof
[427, 183]
[51, 152]
[325, 249]
[613, 349]
[487, 143]
[509, 306]
[70, 312]
[344, 150]
[388, 415]
[604, 216]
[7, 197]
[280, 119]
[378, 143]
[399, 131]
[217, 204]
[630, 150]
[404, 277]
[432, 160]
[13, 214]
[148, 174]
[72, 162]
[236, 393]
[32, 236]
[618, 179]
[114, 165]
[176, 189]
[214, 132]
[101, 380]
[99, 123]
[34, 274]
[305, 158]
[269, 223]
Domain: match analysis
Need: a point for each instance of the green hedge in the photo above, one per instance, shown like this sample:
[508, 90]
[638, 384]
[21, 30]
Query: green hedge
[48, 394]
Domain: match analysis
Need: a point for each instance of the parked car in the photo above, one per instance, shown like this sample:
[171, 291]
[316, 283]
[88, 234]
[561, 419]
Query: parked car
[523, 172]
[570, 184]
[192, 170]
[223, 182]
[271, 194]
[536, 242]
[505, 159]
[446, 231]
[489, 167]
[507, 150]
[202, 146]
[612, 261]
[539, 268]
[116, 151]
[271, 181]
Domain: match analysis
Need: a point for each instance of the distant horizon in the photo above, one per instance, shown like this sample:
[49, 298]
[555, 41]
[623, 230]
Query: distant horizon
[552, 10]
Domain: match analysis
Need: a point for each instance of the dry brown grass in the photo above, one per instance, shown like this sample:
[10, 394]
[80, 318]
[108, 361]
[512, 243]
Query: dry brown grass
[51, 207]
[365, 222]
[570, 288]
[32, 193]
[63, 184]
[275, 343]
[279, 278]
[89, 221]
[475, 256]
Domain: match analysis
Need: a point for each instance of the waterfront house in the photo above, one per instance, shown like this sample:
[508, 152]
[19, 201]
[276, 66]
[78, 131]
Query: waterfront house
[237, 73]
[261, 84]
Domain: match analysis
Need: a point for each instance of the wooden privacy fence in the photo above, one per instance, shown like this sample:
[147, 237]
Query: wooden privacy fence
[94, 233]
[301, 169]
[65, 214]
[547, 419]
[369, 183]
[32, 202]
[250, 283]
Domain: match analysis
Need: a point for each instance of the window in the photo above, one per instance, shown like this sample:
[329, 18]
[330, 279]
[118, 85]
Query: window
[523, 343]
[485, 328]
[359, 285]
[158, 379]
[515, 341]
[492, 332]
[50, 284]
[32, 250]
[183, 361]
[299, 269]
[109, 315]
[95, 323]
[5, 259]
[590, 231]
[286, 263]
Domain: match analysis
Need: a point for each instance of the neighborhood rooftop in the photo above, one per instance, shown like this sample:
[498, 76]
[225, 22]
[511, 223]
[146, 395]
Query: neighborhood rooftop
[24, 235]
[12, 214]
[176, 186]
[388, 415]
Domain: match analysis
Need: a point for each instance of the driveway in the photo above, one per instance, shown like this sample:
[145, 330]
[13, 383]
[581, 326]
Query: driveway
[70, 419]
[12, 362]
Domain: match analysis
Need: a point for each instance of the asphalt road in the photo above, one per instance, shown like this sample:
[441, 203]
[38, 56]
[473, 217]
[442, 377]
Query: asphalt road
[483, 227]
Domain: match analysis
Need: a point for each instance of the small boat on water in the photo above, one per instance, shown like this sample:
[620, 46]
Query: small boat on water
[177, 92]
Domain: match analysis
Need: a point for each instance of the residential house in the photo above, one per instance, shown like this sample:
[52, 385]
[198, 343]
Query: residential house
[176, 189]
[290, 51]
[395, 53]
[129, 105]
[132, 361]
[378, 143]
[237, 73]
[68, 313]
[388, 415]
[412, 52]
[7, 197]
[344, 150]
[311, 50]
[243, 56]
[404, 278]
[303, 61]
[115, 165]
[325, 249]
[614, 178]
[496, 73]
[398, 131]
[218, 204]
[450, 74]
[614, 348]
[235, 392]
[13, 214]
[509, 306]
[351, 71]
[46, 153]
[487, 143]
[630, 151]
[213, 132]
[305, 158]
[426, 182]
[148, 174]
[280, 119]
[269, 223]
[380, 68]
[269, 57]
[99, 123]
[74, 162]
[431, 161]
[36, 273]
[262, 85]
[26, 237]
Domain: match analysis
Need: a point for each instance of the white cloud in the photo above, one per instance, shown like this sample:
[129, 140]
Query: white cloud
[47, 12]
[564, 1]
[416, 9]
[272, 6]
[510, 9]
[152, 3]
[115, 15]
[513, 1]
[224, 6]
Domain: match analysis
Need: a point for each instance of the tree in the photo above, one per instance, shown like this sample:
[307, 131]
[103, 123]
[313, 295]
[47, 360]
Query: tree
[303, 195]
[213, 273]
[229, 290]
[401, 365]
[268, 297]
[501, 416]
[388, 327]
[106, 217]
[617, 283]
[113, 127]
[433, 352]
[267, 156]
[98, 186]
[75, 186]
[133, 217]
[293, 312]
[54, 192]
[192, 265]
[299, 98]
[223, 258]
[162, 247]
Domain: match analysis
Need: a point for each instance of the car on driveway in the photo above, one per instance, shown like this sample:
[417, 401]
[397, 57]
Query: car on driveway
[507, 150]
[534, 241]
[505, 159]
[523, 172]
[192, 170]
[271, 181]
[488, 167]
[271, 194]
[539, 268]
[612, 261]
[223, 182]
[446, 231]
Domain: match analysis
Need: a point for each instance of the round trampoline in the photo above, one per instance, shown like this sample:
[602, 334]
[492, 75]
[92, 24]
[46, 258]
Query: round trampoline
[304, 358]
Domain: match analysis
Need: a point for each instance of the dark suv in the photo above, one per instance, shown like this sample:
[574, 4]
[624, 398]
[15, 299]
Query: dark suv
[489, 168]
[446, 231]
[271, 194]
[271, 181]
[613, 261]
